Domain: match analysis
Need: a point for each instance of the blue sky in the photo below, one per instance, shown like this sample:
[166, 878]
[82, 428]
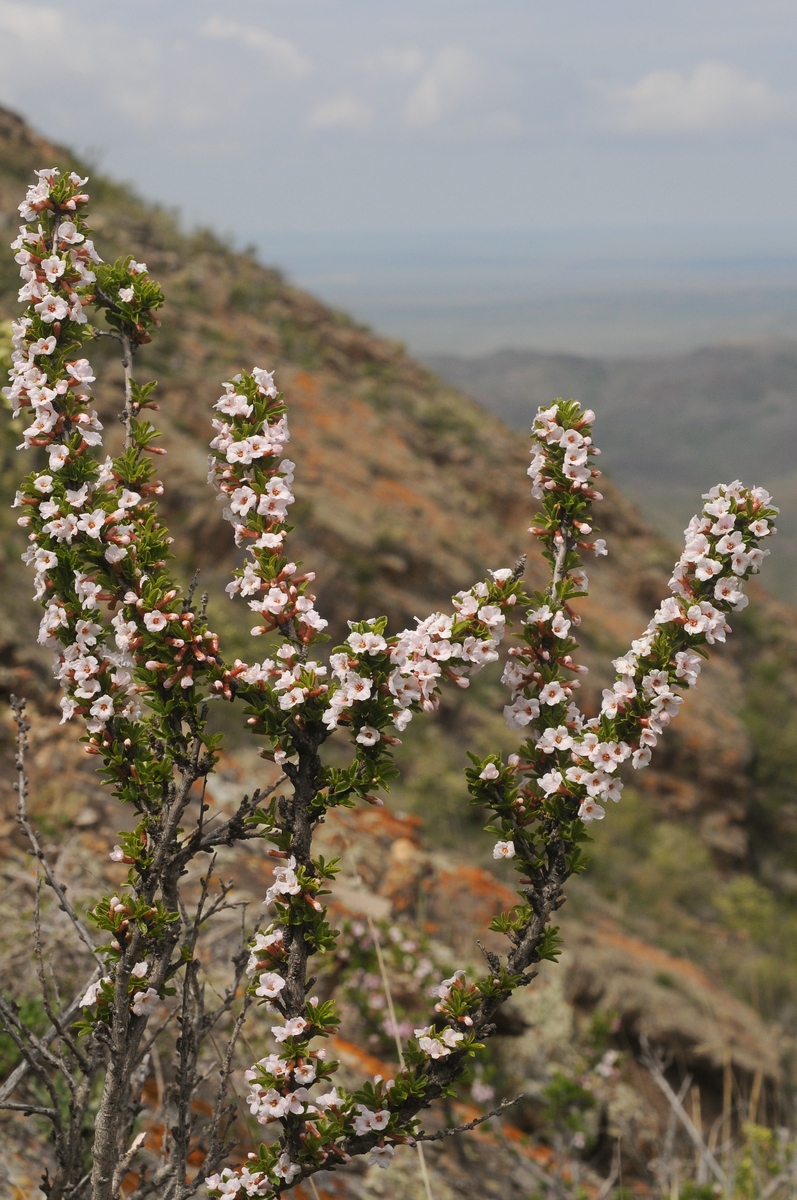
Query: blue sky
[337, 121]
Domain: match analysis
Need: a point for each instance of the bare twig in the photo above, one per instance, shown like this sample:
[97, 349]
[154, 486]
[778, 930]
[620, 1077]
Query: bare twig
[127, 1158]
[773, 1186]
[611, 1178]
[657, 1074]
[392, 1012]
[444, 1133]
[129, 348]
[19, 1072]
[21, 788]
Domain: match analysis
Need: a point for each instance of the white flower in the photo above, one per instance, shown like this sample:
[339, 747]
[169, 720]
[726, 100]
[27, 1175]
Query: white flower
[129, 499]
[92, 992]
[600, 547]
[491, 616]
[285, 1169]
[550, 782]
[115, 554]
[292, 698]
[77, 497]
[555, 739]
[552, 693]
[270, 985]
[590, 811]
[92, 523]
[504, 850]
[52, 308]
[285, 882]
[739, 560]
[102, 708]
[155, 621]
[707, 568]
[730, 590]
[239, 452]
[127, 295]
[265, 381]
[560, 625]
[139, 971]
[295, 1027]
[668, 610]
[58, 456]
[696, 622]
[490, 772]
[144, 1002]
[522, 712]
[68, 234]
[368, 736]
[45, 560]
[381, 1156]
[366, 643]
[267, 1106]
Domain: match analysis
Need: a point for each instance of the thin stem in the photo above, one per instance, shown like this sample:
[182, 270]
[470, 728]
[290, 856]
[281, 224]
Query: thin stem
[392, 1011]
[21, 787]
[19, 1072]
[444, 1133]
[128, 350]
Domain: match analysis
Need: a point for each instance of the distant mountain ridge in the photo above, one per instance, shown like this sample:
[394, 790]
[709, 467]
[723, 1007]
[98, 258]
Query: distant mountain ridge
[669, 427]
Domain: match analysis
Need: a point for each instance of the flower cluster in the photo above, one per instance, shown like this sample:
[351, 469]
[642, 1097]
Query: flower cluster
[409, 668]
[143, 998]
[249, 473]
[567, 759]
[113, 617]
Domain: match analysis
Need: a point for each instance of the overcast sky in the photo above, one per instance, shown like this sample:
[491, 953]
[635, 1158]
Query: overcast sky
[338, 115]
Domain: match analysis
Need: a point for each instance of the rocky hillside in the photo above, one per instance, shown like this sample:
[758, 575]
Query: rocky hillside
[407, 490]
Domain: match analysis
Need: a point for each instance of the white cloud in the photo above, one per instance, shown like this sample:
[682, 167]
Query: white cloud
[280, 54]
[448, 80]
[714, 97]
[30, 22]
[344, 112]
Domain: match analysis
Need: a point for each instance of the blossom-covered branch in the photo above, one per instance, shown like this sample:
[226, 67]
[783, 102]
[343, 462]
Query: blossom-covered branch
[542, 797]
[136, 662]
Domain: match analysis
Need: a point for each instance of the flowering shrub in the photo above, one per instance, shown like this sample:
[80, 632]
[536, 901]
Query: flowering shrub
[138, 664]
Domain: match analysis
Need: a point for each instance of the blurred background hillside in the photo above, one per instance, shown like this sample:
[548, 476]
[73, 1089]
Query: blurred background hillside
[557, 206]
